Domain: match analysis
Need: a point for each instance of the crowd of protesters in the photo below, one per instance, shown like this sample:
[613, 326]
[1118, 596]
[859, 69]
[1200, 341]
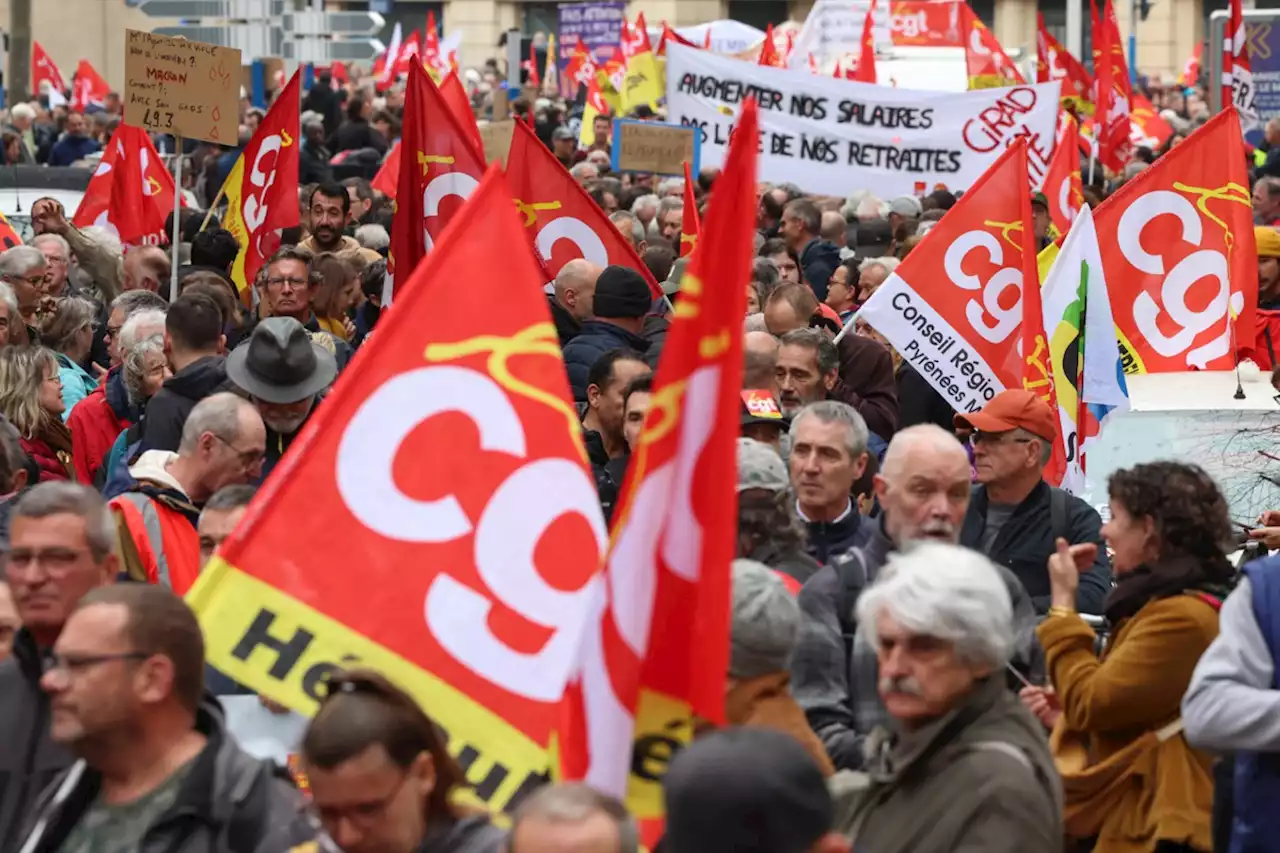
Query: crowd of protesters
[932, 649]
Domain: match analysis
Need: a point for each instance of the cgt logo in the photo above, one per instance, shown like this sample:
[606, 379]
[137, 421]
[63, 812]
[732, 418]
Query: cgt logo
[261, 178]
[458, 184]
[586, 243]
[1188, 295]
[996, 310]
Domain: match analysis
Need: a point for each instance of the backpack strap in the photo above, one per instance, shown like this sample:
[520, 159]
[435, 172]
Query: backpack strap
[1058, 525]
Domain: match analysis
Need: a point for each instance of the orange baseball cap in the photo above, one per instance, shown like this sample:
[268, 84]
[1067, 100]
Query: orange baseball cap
[1012, 409]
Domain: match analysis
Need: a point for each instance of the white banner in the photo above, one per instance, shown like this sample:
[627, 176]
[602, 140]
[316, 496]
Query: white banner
[833, 28]
[832, 137]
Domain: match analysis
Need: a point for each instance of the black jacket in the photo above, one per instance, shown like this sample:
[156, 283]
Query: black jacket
[596, 338]
[819, 260]
[867, 383]
[167, 411]
[29, 760]
[567, 326]
[354, 135]
[1026, 541]
[830, 539]
[324, 100]
[919, 403]
[313, 165]
[229, 801]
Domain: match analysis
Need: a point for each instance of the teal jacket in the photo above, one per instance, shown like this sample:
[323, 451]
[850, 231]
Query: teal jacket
[76, 383]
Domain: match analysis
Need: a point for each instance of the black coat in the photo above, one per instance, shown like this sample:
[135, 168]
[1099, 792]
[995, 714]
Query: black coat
[920, 403]
[29, 760]
[167, 411]
[1026, 541]
[313, 165]
[828, 540]
[324, 100]
[354, 135]
[596, 338]
[567, 325]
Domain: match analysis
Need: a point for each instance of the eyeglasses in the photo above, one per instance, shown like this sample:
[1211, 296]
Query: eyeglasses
[991, 438]
[112, 331]
[248, 458]
[72, 664]
[362, 814]
[55, 561]
[32, 280]
[281, 281]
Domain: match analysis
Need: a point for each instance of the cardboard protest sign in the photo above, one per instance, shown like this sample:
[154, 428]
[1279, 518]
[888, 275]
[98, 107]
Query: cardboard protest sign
[833, 136]
[185, 88]
[495, 137]
[650, 146]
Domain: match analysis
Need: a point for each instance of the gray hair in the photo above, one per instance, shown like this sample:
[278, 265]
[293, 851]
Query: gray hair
[585, 171]
[807, 212]
[133, 301]
[21, 260]
[218, 414]
[764, 272]
[373, 236]
[231, 497]
[137, 320]
[57, 240]
[765, 622]
[1046, 446]
[58, 497]
[15, 457]
[646, 200]
[22, 111]
[637, 228]
[835, 412]
[755, 323]
[668, 204]
[666, 186]
[946, 592]
[10, 301]
[134, 366]
[905, 441]
[71, 315]
[1269, 184]
[818, 341]
[575, 802]
[888, 263]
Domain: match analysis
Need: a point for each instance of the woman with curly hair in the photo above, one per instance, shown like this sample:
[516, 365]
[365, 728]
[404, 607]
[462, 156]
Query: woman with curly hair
[1128, 774]
[31, 398]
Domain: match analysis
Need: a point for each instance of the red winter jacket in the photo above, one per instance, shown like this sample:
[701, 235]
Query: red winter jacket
[51, 467]
[1266, 348]
[94, 428]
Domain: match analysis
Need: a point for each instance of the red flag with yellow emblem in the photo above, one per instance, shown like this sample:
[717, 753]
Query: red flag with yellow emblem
[655, 654]
[1063, 188]
[689, 222]
[262, 188]
[131, 192]
[439, 169]
[451, 446]
[1178, 250]
[559, 217]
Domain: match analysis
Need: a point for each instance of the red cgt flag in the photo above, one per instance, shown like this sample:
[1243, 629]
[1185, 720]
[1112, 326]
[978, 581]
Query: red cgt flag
[987, 64]
[1178, 250]
[1062, 184]
[1113, 94]
[560, 218]
[131, 193]
[44, 70]
[655, 654]
[450, 445]
[1055, 62]
[689, 226]
[440, 168]
[262, 188]
[88, 89]
[769, 55]
[955, 310]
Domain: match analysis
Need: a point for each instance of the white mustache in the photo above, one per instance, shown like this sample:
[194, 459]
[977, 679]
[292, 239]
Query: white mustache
[902, 684]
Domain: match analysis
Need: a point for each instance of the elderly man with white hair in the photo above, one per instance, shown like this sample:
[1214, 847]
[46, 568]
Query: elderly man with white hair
[22, 119]
[923, 491]
[961, 765]
[23, 269]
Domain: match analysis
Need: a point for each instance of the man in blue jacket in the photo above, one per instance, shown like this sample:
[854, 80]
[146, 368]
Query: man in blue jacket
[621, 302]
[75, 144]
